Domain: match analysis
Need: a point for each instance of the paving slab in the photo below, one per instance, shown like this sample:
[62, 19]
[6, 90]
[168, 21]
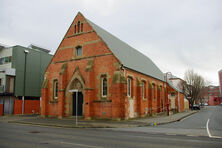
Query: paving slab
[101, 123]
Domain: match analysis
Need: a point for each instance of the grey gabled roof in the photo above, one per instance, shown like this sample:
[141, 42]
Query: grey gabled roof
[174, 87]
[128, 56]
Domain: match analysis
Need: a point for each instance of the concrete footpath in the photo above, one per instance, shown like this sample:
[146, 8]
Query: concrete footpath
[101, 123]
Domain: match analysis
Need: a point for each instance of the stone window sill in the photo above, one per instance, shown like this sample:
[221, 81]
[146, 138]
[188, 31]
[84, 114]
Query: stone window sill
[130, 98]
[103, 100]
[53, 101]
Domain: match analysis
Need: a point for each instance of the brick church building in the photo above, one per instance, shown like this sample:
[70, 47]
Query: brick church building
[95, 75]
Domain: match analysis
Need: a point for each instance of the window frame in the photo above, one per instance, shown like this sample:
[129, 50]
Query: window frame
[77, 48]
[129, 87]
[55, 89]
[81, 27]
[154, 91]
[102, 86]
[74, 29]
[78, 26]
[143, 89]
[5, 60]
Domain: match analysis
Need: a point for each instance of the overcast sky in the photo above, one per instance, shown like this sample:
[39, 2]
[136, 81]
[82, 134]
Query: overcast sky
[175, 34]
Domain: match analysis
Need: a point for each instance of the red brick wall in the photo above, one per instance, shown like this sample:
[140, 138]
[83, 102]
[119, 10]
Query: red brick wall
[1, 109]
[181, 102]
[153, 95]
[31, 107]
[18, 107]
[214, 101]
[104, 63]
[220, 81]
[53, 109]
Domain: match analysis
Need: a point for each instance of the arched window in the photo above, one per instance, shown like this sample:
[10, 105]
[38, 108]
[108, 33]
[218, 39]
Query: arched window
[129, 85]
[81, 27]
[104, 86]
[154, 91]
[55, 89]
[143, 89]
[75, 29]
[78, 51]
[78, 26]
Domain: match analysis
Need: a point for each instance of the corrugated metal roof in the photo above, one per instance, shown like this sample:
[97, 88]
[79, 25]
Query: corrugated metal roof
[127, 55]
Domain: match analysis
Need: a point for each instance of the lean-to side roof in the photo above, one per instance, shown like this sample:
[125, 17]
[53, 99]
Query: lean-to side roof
[128, 56]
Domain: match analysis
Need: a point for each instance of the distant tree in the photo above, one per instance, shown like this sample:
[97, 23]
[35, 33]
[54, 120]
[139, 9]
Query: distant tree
[192, 86]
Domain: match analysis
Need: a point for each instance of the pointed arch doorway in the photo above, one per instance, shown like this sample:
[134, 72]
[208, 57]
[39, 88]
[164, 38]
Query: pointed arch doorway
[77, 104]
[75, 97]
[75, 92]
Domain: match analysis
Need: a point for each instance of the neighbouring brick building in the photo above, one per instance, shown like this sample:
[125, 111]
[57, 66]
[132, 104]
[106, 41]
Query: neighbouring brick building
[220, 81]
[176, 82]
[113, 79]
[211, 95]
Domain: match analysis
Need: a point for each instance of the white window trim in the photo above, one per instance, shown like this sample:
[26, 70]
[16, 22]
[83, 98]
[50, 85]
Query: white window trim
[143, 89]
[129, 91]
[103, 96]
[77, 51]
[54, 89]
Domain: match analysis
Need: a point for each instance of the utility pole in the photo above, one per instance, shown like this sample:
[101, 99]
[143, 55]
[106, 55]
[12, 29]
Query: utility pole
[24, 82]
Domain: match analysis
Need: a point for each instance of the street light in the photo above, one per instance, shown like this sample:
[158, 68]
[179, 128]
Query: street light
[166, 94]
[23, 98]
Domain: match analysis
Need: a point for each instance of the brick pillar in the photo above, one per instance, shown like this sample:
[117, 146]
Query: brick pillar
[89, 89]
[89, 92]
[139, 100]
[158, 105]
[150, 100]
[61, 104]
[181, 102]
[176, 101]
[87, 103]
[120, 104]
[44, 102]
[124, 101]
[117, 108]
[62, 86]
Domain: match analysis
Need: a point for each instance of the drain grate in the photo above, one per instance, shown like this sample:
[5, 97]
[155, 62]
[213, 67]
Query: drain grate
[34, 132]
[44, 143]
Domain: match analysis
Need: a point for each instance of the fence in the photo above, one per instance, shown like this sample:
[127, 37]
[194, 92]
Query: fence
[30, 107]
[1, 109]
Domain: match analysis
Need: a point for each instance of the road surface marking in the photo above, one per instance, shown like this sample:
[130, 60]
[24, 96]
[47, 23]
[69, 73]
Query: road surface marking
[82, 145]
[208, 131]
[171, 134]
[192, 135]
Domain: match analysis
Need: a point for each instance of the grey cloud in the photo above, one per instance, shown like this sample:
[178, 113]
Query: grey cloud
[175, 34]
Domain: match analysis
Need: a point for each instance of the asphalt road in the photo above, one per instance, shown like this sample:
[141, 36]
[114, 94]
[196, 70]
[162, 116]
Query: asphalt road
[207, 122]
[22, 136]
